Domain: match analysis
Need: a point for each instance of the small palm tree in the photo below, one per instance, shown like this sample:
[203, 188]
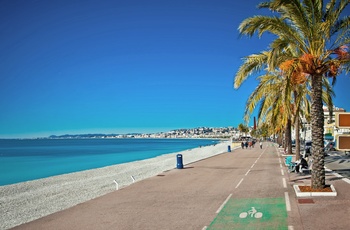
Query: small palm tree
[243, 129]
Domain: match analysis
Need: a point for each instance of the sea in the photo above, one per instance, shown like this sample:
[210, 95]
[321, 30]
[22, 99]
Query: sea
[29, 159]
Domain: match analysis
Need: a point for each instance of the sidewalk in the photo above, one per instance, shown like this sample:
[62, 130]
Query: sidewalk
[326, 212]
[202, 193]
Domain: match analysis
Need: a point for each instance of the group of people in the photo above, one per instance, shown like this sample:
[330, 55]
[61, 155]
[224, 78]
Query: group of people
[250, 144]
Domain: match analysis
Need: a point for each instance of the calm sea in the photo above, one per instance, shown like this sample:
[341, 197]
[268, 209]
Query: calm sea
[24, 160]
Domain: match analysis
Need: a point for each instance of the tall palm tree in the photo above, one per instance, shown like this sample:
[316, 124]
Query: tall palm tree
[321, 37]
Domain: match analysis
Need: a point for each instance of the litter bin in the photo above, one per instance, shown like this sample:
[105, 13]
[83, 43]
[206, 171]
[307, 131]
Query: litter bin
[229, 148]
[179, 161]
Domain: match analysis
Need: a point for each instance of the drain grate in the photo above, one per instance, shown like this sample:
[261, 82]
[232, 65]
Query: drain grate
[306, 201]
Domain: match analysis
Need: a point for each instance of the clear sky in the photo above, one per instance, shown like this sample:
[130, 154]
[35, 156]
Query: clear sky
[112, 66]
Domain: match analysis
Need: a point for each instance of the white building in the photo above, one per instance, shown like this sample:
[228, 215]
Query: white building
[330, 130]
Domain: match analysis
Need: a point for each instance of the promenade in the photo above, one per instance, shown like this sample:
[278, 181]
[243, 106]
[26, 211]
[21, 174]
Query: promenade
[242, 189]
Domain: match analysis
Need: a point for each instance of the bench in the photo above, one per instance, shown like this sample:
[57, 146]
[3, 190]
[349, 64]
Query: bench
[290, 164]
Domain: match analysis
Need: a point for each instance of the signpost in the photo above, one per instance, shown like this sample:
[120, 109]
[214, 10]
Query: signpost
[342, 121]
[343, 141]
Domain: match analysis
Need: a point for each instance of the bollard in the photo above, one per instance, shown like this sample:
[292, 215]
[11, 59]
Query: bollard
[179, 161]
[229, 148]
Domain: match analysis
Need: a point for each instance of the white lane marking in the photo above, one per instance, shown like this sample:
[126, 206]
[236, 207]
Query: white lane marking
[284, 182]
[282, 172]
[223, 204]
[340, 176]
[280, 165]
[239, 183]
[279, 159]
[256, 161]
[252, 166]
[290, 227]
[337, 175]
[286, 197]
[204, 228]
[247, 172]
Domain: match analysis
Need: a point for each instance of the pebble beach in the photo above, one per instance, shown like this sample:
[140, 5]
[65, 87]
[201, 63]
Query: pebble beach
[24, 202]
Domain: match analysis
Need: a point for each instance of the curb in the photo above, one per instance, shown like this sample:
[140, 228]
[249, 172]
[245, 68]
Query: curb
[312, 194]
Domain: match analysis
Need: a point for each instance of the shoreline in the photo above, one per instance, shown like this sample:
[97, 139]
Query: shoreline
[56, 160]
[26, 201]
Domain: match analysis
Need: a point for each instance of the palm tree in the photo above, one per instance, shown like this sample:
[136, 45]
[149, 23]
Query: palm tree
[243, 129]
[270, 95]
[321, 37]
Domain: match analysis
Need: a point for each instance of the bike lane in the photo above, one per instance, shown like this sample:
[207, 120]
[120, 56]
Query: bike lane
[258, 200]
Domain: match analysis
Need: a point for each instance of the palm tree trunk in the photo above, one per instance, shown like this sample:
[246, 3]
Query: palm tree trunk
[318, 177]
[297, 138]
[297, 126]
[289, 137]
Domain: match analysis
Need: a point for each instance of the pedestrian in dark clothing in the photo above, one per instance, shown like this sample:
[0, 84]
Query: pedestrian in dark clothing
[301, 165]
[242, 144]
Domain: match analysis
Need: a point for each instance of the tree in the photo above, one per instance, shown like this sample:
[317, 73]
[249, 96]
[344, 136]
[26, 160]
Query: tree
[243, 129]
[321, 38]
[270, 93]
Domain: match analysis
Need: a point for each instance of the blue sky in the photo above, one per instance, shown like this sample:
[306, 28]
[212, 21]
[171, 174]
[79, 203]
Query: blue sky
[124, 66]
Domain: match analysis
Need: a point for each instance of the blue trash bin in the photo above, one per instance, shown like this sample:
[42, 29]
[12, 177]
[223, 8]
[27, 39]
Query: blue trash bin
[179, 164]
[229, 148]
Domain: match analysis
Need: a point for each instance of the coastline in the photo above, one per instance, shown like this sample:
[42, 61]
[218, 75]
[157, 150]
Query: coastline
[27, 201]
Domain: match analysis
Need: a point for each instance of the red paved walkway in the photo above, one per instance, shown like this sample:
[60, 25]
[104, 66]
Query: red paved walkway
[194, 197]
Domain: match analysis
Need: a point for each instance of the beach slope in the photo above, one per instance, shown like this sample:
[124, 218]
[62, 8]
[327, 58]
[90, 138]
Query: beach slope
[28, 201]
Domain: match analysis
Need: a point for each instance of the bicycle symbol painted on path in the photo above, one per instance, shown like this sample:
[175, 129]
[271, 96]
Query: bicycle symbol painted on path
[252, 212]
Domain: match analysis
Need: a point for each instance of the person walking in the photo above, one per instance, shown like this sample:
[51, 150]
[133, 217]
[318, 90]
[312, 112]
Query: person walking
[260, 144]
[242, 144]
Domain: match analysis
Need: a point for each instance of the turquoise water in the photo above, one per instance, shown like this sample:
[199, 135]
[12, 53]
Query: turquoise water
[24, 160]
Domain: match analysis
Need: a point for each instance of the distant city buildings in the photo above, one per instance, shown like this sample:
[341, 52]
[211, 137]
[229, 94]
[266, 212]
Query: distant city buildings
[201, 132]
[330, 130]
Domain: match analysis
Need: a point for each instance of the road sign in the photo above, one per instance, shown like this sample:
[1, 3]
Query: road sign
[343, 142]
[342, 120]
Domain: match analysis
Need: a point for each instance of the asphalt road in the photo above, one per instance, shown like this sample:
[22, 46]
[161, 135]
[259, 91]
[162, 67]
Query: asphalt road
[339, 162]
